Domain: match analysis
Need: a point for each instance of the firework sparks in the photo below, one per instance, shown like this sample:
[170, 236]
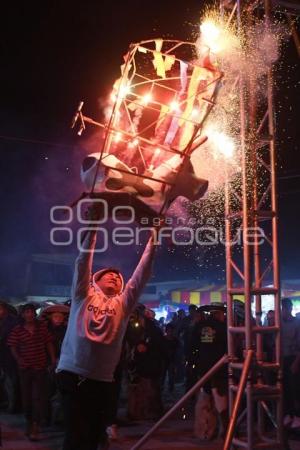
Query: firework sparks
[223, 143]
[210, 35]
[220, 49]
[216, 37]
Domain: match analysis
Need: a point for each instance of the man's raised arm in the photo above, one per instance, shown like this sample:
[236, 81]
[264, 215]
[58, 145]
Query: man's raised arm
[140, 276]
[83, 267]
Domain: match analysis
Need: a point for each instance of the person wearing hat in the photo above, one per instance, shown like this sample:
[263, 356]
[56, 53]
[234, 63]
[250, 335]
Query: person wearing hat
[100, 309]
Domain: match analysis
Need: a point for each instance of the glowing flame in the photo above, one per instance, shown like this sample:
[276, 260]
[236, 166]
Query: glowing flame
[195, 112]
[211, 34]
[113, 96]
[221, 141]
[157, 151]
[174, 106]
[118, 137]
[217, 37]
[147, 98]
[133, 143]
[124, 90]
[210, 30]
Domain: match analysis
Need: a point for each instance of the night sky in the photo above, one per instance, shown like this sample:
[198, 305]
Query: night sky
[57, 53]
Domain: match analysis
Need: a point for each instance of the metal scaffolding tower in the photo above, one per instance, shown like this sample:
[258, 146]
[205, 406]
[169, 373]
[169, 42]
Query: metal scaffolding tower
[255, 381]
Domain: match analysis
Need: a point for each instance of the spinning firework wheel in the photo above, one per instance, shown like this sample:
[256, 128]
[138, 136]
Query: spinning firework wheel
[158, 108]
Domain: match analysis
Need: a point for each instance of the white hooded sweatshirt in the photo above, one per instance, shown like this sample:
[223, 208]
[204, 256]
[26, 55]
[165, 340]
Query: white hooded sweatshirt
[97, 323]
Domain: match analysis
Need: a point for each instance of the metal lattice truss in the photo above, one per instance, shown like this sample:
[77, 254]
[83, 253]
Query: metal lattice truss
[253, 273]
[159, 106]
[255, 380]
[179, 96]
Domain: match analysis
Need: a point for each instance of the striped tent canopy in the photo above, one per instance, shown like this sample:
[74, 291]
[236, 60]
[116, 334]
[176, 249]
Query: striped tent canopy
[203, 296]
[217, 294]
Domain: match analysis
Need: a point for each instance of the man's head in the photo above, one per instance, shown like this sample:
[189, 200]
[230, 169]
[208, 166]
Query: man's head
[28, 313]
[271, 318]
[57, 318]
[192, 310]
[218, 314]
[181, 313]
[149, 313]
[140, 309]
[109, 280]
[286, 308]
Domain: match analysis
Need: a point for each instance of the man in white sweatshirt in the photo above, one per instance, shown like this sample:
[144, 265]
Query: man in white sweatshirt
[100, 310]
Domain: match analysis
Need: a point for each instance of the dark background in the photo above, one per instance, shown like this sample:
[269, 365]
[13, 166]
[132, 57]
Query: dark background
[54, 54]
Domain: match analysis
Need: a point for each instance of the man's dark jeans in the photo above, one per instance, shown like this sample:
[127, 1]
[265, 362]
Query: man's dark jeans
[86, 410]
[33, 390]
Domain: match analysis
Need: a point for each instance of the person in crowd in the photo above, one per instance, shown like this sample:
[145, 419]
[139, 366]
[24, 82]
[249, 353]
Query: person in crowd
[177, 320]
[208, 343]
[56, 320]
[145, 367]
[290, 330]
[8, 367]
[57, 325]
[269, 338]
[270, 318]
[171, 347]
[31, 344]
[150, 314]
[217, 314]
[162, 324]
[239, 320]
[174, 319]
[185, 330]
[100, 309]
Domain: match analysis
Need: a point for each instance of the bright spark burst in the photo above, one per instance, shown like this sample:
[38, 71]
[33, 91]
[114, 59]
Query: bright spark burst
[210, 33]
[124, 91]
[220, 45]
[217, 37]
[223, 143]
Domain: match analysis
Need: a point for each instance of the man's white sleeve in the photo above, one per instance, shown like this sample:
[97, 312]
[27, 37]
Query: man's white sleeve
[139, 277]
[83, 267]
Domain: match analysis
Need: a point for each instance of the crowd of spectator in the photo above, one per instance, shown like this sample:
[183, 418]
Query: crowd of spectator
[157, 356]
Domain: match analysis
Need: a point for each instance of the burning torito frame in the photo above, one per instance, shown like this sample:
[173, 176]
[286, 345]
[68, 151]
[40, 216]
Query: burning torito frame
[158, 108]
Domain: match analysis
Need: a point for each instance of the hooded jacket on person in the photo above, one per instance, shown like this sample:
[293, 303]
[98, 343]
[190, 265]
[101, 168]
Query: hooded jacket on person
[97, 322]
